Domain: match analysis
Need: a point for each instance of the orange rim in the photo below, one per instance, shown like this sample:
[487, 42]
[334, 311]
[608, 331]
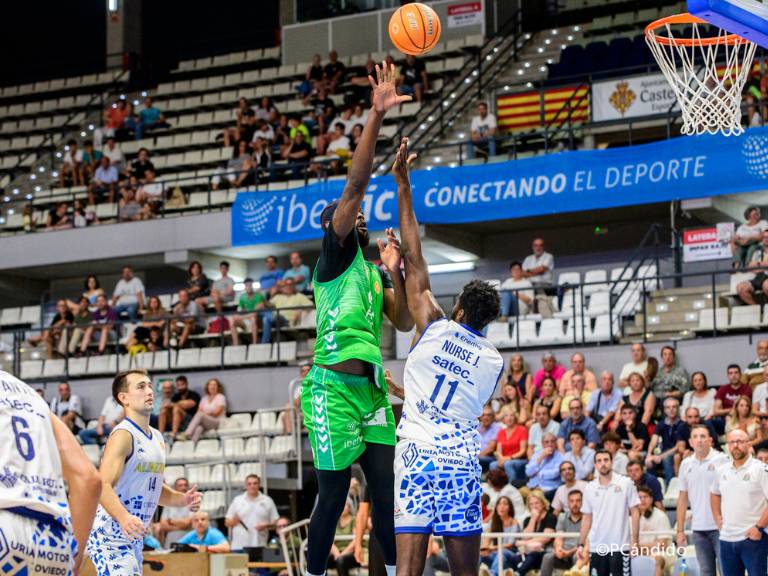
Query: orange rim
[650, 32]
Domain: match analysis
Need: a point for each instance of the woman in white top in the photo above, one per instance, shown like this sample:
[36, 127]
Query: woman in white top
[502, 520]
[212, 407]
[747, 236]
[701, 396]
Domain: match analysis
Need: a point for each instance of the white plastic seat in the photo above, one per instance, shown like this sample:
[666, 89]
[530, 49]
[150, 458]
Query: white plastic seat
[601, 332]
[188, 358]
[551, 332]
[591, 276]
[207, 449]
[31, 369]
[235, 355]
[628, 303]
[102, 364]
[572, 298]
[198, 474]
[643, 566]
[232, 448]
[172, 473]
[616, 274]
[259, 353]
[599, 303]
[30, 315]
[245, 469]
[744, 317]
[649, 271]
[253, 448]
[93, 451]
[78, 366]
[216, 475]
[284, 352]
[145, 360]
[54, 367]
[10, 316]
[241, 420]
[709, 322]
[182, 451]
[280, 448]
[571, 278]
[267, 422]
[524, 331]
[210, 357]
[498, 335]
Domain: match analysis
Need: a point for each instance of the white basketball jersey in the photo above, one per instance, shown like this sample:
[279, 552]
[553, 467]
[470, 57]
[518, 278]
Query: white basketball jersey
[30, 465]
[450, 374]
[141, 483]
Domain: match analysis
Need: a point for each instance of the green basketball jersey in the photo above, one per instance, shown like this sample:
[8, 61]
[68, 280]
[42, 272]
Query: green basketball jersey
[349, 313]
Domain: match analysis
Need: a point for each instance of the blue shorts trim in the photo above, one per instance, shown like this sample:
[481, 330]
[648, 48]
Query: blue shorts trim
[459, 534]
[414, 530]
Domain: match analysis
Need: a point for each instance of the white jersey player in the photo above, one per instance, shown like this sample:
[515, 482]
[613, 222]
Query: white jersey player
[39, 534]
[451, 372]
[132, 474]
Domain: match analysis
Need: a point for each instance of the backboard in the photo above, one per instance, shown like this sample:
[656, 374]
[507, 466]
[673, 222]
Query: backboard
[746, 18]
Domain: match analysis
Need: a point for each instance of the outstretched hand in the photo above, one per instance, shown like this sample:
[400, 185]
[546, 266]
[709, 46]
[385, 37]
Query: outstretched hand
[193, 498]
[384, 94]
[390, 251]
[403, 162]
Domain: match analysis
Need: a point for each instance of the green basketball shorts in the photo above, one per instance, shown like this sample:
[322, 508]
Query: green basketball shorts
[342, 412]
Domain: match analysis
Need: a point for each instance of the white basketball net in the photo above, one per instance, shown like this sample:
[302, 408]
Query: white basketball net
[707, 76]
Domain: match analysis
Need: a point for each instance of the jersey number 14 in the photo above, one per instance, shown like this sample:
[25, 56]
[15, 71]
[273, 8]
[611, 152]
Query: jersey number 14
[452, 385]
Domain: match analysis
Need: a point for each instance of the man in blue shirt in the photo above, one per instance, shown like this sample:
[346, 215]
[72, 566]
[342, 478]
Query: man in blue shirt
[150, 118]
[577, 421]
[489, 431]
[640, 477]
[103, 183]
[670, 438]
[272, 276]
[604, 402]
[543, 470]
[299, 272]
[203, 537]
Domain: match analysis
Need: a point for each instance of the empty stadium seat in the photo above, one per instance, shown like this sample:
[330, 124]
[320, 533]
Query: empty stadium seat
[30, 315]
[235, 355]
[232, 447]
[281, 447]
[709, 321]
[207, 449]
[210, 356]
[284, 351]
[259, 353]
[569, 278]
[620, 274]
[745, 317]
[591, 276]
[181, 451]
[498, 335]
[31, 369]
[93, 451]
[599, 303]
[602, 331]
[10, 316]
[172, 473]
[267, 422]
[551, 332]
[254, 448]
[524, 331]
[54, 367]
[572, 299]
[102, 364]
[198, 474]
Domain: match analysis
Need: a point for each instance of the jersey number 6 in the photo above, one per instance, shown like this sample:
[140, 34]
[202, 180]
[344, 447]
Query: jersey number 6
[23, 439]
[452, 385]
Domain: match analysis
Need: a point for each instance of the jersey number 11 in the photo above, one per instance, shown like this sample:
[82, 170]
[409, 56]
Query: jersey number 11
[452, 385]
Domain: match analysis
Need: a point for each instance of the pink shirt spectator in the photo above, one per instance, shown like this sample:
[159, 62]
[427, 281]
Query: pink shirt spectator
[556, 374]
[209, 405]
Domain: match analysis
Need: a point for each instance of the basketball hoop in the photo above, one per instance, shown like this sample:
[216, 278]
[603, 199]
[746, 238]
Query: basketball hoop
[706, 71]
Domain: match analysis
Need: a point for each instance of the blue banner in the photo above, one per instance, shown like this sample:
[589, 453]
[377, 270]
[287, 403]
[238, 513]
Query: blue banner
[676, 169]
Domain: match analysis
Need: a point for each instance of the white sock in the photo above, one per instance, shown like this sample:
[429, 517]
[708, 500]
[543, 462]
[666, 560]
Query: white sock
[391, 570]
[310, 574]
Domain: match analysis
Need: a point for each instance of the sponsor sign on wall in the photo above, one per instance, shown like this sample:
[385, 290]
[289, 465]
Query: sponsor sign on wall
[465, 14]
[632, 97]
[711, 243]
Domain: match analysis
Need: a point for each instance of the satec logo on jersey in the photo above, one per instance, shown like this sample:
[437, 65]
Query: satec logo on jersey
[755, 153]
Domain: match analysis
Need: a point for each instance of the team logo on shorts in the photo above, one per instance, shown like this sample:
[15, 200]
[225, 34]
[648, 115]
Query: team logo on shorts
[410, 455]
[472, 514]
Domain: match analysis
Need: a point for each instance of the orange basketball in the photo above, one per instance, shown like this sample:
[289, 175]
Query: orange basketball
[414, 29]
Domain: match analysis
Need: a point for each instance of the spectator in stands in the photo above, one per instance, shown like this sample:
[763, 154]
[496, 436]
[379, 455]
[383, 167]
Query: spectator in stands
[82, 215]
[290, 307]
[604, 403]
[262, 159]
[286, 416]
[129, 209]
[198, 285]
[58, 333]
[355, 136]
[413, 78]
[150, 119]
[640, 397]
[755, 291]
[489, 430]
[128, 295]
[701, 396]
[91, 159]
[612, 443]
[249, 306]
[697, 475]
[669, 439]
[139, 167]
[577, 390]
[549, 369]
[117, 114]
[282, 133]
[741, 418]
[633, 433]
[298, 153]
[639, 364]
[151, 334]
[497, 485]
[272, 276]
[692, 419]
[577, 421]
[179, 411]
[222, 291]
[175, 521]
[251, 515]
[511, 448]
[530, 551]
[337, 144]
[565, 553]
[240, 114]
[760, 396]
[266, 110]
[754, 373]
[299, 271]
[519, 376]
[112, 412]
[103, 321]
[323, 110]
[205, 538]
[210, 411]
[81, 319]
[313, 78]
[727, 395]
[760, 442]
[542, 425]
[502, 519]
[549, 399]
[538, 267]
[580, 455]
[510, 401]
[241, 167]
[517, 296]
[162, 401]
[58, 219]
[578, 366]
[114, 153]
[654, 519]
[569, 483]
[69, 408]
[150, 194]
[188, 319]
[71, 167]
[747, 237]
[543, 469]
[483, 132]
[264, 131]
[739, 497]
[335, 72]
[672, 379]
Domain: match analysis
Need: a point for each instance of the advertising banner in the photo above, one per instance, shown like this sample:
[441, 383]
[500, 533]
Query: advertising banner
[632, 97]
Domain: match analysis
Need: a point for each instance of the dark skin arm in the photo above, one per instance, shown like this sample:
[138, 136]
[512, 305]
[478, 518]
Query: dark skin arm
[395, 301]
[422, 304]
[383, 98]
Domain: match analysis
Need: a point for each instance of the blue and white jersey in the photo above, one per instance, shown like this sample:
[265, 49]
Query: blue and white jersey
[141, 483]
[450, 374]
[30, 465]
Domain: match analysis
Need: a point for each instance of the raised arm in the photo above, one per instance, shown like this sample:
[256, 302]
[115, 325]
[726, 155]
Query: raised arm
[383, 98]
[421, 302]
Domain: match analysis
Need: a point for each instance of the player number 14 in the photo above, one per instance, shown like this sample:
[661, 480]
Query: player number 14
[452, 385]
